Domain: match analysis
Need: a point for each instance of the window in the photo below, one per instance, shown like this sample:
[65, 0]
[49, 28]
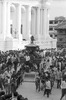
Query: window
[51, 22]
[55, 35]
[50, 29]
[56, 22]
[51, 35]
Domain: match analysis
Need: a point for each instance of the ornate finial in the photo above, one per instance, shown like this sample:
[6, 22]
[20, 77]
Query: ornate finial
[32, 39]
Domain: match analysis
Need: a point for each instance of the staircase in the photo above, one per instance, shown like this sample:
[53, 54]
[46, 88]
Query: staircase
[29, 77]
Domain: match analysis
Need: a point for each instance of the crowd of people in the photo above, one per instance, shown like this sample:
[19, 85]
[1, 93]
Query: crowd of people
[50, 67]
[11, 73]
[13, 65]
[52, 70]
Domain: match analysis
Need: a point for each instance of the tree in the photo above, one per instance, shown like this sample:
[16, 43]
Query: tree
[60, 18]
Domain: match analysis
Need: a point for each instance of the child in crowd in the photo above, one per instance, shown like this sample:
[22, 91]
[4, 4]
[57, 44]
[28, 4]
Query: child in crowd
[47, 87]
[37, 82]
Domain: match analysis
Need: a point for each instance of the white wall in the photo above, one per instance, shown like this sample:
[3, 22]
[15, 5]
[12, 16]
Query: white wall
[0, 18]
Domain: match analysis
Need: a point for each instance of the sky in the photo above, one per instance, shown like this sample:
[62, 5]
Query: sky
[57, 8]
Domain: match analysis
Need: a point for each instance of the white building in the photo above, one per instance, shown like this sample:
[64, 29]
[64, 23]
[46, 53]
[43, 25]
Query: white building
[19, 19]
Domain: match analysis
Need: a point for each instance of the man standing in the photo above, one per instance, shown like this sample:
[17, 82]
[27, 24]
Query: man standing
[37, 82]
[63, 87]
[47, 87]
[59, 75]
[27, 58]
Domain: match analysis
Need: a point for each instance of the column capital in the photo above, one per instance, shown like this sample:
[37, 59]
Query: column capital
[18, 5]
[28, 7]
[35, 7]
[44, 4]
[43, 1]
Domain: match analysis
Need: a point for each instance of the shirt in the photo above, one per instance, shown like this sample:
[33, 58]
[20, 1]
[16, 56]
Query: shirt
[27, 58]
[63, 85]
[48, 85]
[59, 74]
[9, 80]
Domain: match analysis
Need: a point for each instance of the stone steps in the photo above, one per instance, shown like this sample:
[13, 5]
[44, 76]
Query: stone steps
[29, 77]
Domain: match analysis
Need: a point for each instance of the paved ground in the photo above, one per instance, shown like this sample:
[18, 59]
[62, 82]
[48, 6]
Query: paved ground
[28, 90]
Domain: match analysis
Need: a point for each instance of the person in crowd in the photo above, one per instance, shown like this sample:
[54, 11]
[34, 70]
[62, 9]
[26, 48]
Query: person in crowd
[1, 82]
[59, 75]
[12, 70]
[7, 84]
[15, 95]
[64, 71]
[2, 93]
[9, 61]
[52, 78]
[8, 96]
[15, 62]
[7, 78]
[21, 76]
[27, 58]
[13, 75]
[20, 97]
[37, 82]
[13, 86]
[25, 98]
[47, 87]
[43, 77]
[63, 87]
[41, 65]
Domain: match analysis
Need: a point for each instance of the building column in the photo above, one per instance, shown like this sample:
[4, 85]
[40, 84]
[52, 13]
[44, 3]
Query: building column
[7, 45]
[28, 22]
[23, 21]
[0, 17]
[46, 23]
[34, 22]
[41, 20]
[4, 19]
[38, 23]
[8, 34]
[2, 24]
[14, 35]
[47, 13]
[19, 22]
